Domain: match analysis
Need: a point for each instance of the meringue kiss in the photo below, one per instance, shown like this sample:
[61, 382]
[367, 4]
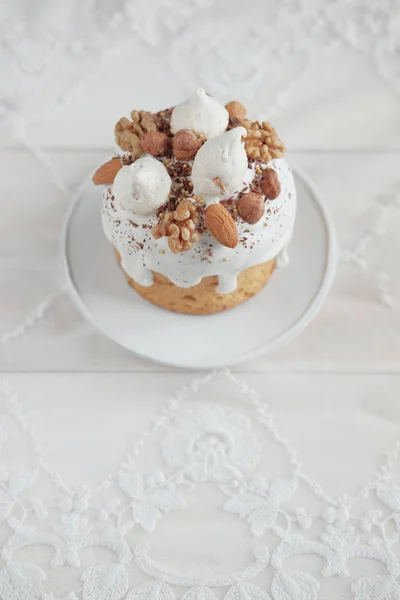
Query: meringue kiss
[200, 113]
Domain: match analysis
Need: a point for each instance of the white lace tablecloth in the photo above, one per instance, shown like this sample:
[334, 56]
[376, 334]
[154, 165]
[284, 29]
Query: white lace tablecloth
[278, 480]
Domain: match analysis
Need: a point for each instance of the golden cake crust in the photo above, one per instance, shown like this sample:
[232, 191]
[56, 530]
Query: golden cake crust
[203, 298]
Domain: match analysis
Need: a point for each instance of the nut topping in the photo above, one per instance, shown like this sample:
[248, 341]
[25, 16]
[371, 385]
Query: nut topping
[129, 133]
[219, 183]
[180, 226]
[221, 225]
[185, 144]
[270, 184]
[105, 174]
[251, 207]
[262, 141]
[155, 143]
[236, 110]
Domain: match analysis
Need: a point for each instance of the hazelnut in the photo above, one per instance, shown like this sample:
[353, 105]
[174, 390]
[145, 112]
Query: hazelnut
[270, 184]
[185, 144]
[236, 110]
[251, 207]
[155, 143]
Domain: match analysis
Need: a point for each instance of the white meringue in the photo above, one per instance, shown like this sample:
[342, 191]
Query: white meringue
[224, 158]
[201, 113]
[143, 186]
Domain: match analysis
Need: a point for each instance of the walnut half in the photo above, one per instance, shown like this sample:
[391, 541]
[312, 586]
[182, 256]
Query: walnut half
[262, 141]
[129, 133]
[180, 226]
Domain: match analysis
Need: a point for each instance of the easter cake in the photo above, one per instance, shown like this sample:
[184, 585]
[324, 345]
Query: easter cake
[198, 203]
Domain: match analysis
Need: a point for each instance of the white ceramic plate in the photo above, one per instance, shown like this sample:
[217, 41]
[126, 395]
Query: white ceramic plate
[273, 317]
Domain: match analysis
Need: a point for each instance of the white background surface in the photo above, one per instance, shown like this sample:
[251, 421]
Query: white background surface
[332, 92]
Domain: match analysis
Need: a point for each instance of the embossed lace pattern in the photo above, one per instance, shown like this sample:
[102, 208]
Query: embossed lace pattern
[217, 452]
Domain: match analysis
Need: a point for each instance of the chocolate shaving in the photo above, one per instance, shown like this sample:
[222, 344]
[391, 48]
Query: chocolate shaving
[163, 120]
[126, 159]
[230, 205]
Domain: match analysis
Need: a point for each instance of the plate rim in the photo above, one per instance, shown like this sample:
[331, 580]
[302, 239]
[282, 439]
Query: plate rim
[281, 340]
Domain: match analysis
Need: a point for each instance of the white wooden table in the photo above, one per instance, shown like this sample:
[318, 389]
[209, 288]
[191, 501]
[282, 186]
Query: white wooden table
[81, 418]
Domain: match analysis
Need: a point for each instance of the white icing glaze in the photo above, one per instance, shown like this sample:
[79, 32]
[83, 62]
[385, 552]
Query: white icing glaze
[282, 260]
[201, 113]
[223, 157]
[141, 253]
[142, 187]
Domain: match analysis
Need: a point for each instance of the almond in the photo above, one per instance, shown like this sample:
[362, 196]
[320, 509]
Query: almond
[220, 184]
[270, 184]
[107, 172]
[155, 143]
[251, 207]
[236, 110]
[185, 144]
[221, 225]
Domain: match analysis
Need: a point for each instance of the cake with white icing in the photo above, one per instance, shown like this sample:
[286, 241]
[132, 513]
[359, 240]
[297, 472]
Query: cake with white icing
[198, 203]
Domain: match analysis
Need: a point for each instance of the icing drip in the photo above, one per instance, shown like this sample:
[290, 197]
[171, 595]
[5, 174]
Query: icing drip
[227, 283]
[142, 275]
[282, 260]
